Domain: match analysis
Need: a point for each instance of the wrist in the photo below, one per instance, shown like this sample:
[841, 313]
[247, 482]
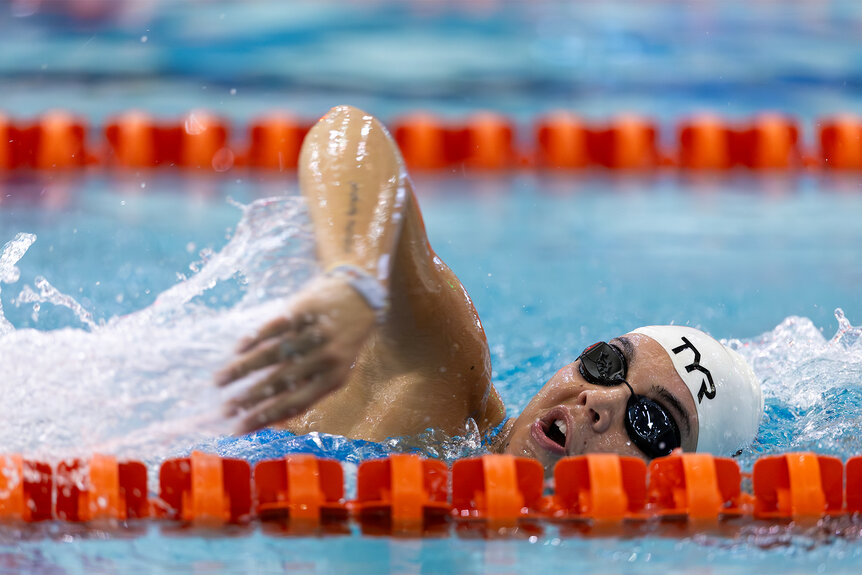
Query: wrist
[369, 288]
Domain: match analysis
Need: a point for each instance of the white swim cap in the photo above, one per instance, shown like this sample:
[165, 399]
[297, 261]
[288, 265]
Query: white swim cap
[723, 385]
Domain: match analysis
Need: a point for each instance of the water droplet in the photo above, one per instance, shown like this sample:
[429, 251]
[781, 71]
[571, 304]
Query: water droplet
[195, 125]
[223, 160]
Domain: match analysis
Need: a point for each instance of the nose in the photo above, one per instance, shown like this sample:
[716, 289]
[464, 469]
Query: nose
[604, 406]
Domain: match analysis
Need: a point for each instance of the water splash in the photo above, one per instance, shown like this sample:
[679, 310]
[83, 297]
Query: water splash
[12, 252]
[812, 388]
[49, 294]
[141, 385]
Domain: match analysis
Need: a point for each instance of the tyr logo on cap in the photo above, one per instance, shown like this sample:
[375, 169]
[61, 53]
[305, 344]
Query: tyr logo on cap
[705, 390]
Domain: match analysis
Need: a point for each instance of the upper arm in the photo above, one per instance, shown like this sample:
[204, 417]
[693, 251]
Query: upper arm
[436, 328]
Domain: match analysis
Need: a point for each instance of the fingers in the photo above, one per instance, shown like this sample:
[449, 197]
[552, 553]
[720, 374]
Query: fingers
[284, 380]
[275, 328]
[288, 405]
[286, 348]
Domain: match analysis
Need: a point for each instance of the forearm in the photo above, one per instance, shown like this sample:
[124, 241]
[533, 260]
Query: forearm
[354, 181]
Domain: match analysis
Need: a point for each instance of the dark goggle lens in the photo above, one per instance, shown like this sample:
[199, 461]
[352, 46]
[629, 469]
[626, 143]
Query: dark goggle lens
[650, 427]
[648, 424]
[603, 364]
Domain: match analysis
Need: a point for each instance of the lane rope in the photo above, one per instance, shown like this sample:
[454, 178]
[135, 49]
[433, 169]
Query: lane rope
[406, 494]
[484, 141]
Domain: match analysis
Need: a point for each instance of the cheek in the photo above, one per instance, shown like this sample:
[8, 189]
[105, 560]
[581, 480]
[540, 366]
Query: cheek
[616, 441]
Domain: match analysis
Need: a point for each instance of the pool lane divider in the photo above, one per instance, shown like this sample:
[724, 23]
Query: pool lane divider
[407, 495]
[484, 141]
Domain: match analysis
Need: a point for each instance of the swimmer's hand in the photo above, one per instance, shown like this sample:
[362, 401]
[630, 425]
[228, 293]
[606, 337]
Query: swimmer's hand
[309, 350]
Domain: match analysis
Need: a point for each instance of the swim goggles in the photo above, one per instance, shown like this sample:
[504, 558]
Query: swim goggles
[648, 424]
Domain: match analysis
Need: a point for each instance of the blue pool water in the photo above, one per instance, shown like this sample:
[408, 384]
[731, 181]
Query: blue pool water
[133, 289]
[553, 264]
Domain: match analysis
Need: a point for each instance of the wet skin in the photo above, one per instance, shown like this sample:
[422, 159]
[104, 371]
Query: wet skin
[327, 365]
[594, 414]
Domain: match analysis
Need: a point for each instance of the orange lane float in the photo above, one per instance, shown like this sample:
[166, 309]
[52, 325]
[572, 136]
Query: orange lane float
[695, 486]
[599, 487]
[8, 137]
[133, 141]
[704, 143]
[426, 143]
[769, 142]
[203, 143]
[853, 487]
[500, 490]
[489, 142]
[841, 143]
[275, 141]
[301, 490]
[797, 486]
[403, 494]
[627, 143]
[206, 490]
[26, 489]
[101, 489]
[56, 141]
[561, 142]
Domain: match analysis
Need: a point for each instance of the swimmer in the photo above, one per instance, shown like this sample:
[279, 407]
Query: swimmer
[386, 341]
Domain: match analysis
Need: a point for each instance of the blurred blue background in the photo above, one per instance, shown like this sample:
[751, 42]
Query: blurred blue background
[659, 57]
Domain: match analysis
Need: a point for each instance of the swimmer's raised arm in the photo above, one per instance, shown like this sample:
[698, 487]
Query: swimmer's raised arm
[357, 206]
[426, 364]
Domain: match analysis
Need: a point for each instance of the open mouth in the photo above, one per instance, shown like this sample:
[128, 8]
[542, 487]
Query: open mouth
[552, 431]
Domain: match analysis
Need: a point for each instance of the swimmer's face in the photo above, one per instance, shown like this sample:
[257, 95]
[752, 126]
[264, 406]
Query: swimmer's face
[595, 415]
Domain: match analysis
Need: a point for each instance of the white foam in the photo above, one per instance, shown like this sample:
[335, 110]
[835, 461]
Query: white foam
[812, 387]
[142, 384]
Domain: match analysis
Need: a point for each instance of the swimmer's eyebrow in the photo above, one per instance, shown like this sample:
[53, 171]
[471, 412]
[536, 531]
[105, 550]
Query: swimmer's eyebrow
[676, 406]
[628, 350]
